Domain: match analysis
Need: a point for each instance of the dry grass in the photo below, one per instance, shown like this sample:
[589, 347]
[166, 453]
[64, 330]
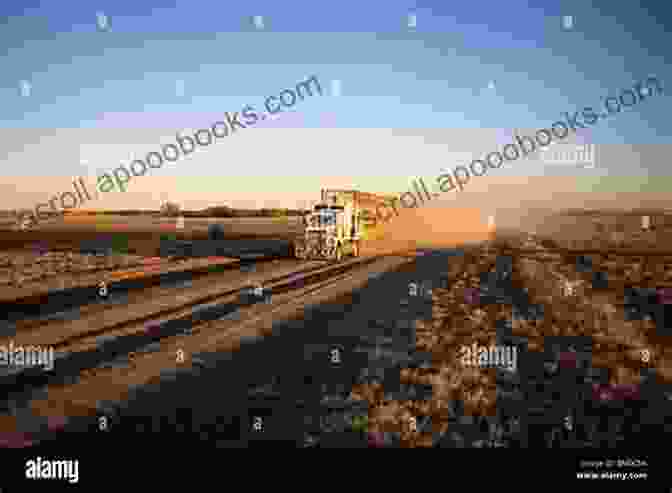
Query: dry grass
[623, 346]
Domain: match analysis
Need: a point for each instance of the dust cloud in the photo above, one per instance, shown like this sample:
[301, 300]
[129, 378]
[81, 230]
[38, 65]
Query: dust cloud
[445, 227]
[518, 204]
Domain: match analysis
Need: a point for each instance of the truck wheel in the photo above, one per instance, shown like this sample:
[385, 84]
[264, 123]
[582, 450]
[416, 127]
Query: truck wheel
[339, 254]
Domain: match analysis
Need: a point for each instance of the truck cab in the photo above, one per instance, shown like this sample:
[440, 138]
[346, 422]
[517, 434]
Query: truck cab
[337, 225]
[330, 230]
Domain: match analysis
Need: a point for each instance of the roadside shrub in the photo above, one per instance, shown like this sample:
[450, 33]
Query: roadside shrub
[220, 211]
[549, 243]
[170, 209]
[274, 212]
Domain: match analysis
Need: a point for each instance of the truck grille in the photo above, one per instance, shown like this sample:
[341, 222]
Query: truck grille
[317, 238]
[316, 245]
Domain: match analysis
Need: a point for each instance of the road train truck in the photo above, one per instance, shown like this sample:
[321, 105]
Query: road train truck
[339, 224]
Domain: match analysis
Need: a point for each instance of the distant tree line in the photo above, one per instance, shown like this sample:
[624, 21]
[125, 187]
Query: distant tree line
[131, 212]
[170, 209]
[615, 212]
[223, 211]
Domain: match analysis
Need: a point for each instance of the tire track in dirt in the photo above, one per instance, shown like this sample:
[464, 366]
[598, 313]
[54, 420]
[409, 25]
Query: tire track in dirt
[124, 336]
[230, 378]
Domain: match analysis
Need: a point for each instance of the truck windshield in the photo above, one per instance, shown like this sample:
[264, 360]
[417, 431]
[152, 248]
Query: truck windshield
[321, 220]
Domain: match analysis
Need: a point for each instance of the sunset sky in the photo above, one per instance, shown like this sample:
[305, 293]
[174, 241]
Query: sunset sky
[80, 98]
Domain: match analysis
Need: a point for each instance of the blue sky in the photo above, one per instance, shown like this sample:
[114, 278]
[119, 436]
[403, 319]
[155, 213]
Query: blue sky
[419, 79]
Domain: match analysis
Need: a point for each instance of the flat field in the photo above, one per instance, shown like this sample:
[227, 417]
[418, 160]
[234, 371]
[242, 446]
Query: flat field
[57, 254]
[140, 235]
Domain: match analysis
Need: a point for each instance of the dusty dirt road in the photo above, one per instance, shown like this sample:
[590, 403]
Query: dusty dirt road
[33, 275]
[180, 353]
